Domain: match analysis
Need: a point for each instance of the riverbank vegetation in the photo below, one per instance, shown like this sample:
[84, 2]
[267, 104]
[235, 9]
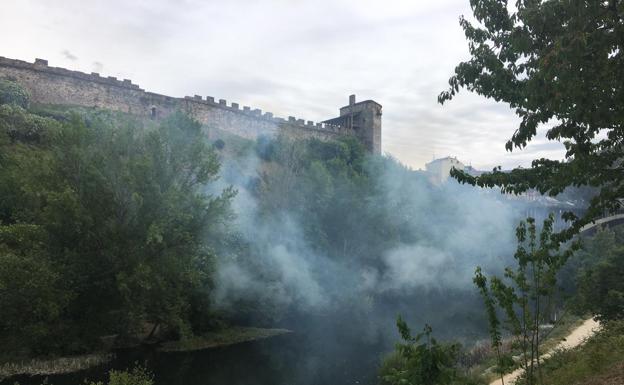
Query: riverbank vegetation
[223, 337]
[45, 367]
[123, 228]
[135, 376]
[421, 359]
[119, 229]
[127, 233]
[105, 228]
[599, 361]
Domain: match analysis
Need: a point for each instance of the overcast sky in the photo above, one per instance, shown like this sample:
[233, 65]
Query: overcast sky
[289, 57]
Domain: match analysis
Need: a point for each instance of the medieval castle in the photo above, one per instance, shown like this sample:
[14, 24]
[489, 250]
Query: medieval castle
[59, 86]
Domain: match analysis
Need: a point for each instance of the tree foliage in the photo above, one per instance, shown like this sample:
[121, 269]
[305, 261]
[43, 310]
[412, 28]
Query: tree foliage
[525, 293]
[135, 376]
[559, 65]
[341, 193]
[350, 209]
[600, 287]
[105, 226]
[423, 360]
[12, 93]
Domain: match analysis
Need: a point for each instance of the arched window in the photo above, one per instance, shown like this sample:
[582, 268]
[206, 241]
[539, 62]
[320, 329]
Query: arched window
[153, 112]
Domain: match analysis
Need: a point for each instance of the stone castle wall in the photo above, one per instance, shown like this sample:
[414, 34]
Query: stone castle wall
[59, 86]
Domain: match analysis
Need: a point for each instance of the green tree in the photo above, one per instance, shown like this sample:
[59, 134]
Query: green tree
[559, 65]
[494, 322]
[525, 292]
[328, 184]
[106, 225]
[32, 302]
[600, 288]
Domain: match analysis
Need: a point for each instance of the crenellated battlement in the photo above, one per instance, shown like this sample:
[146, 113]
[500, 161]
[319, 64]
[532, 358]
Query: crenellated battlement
[268, 116]
[55, 85]
[41, 65]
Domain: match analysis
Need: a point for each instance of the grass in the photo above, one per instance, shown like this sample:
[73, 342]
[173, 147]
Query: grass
[599, 361]
[485, 363]
[224, 337]
[482, 360]
[35, 367]
[558, 333]
[394, 361]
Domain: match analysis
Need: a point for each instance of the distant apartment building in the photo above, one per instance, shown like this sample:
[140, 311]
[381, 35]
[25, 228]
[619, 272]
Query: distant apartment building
[439, 170]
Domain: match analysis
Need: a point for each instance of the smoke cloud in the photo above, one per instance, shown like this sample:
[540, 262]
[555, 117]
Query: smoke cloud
[453, 228]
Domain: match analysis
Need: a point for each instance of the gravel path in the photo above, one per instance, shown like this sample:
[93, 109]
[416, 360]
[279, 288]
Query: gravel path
[574, 339]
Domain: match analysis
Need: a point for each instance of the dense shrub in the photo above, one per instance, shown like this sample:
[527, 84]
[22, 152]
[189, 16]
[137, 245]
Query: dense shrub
[136, 376]
[105, 227]
[600, 286]
[422, 360]
[12, 93]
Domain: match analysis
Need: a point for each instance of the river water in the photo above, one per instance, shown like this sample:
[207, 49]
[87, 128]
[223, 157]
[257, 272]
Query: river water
[336, 348]
[291, 359]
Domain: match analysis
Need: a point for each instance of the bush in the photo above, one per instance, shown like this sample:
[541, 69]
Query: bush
[31, 302]
[266, 147]
[18, 125]
[422, 360]
[13, 93]
[136, 376]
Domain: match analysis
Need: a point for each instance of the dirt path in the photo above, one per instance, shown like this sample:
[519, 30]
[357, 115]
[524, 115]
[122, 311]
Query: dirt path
[574, 339]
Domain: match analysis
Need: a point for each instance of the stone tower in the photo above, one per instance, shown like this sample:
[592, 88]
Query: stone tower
[364, 119]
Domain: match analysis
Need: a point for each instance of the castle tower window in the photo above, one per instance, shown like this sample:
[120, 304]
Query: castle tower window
[153, 112]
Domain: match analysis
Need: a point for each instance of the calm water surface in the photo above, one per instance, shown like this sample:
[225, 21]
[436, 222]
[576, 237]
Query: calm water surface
[292, 359]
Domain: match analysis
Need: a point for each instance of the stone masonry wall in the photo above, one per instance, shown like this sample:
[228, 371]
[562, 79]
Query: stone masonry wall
[59, 86]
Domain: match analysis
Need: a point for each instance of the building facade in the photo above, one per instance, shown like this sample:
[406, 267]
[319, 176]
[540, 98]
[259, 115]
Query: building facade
[439, 170]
